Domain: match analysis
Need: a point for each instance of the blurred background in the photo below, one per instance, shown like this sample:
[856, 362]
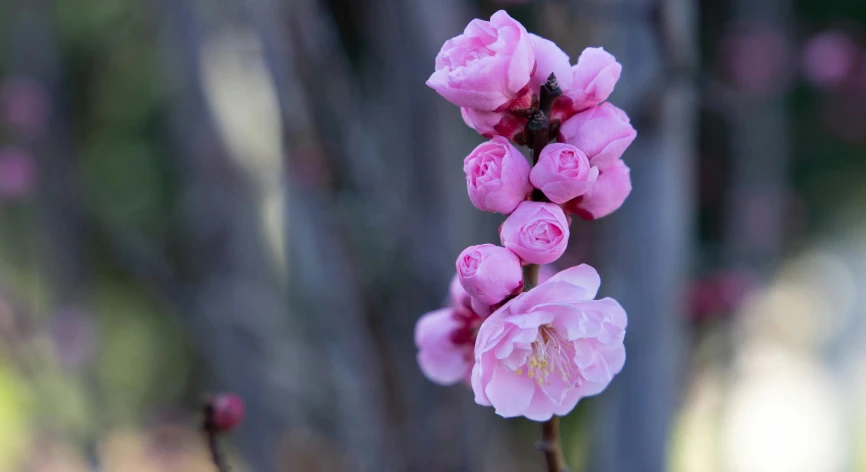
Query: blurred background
[262, 196]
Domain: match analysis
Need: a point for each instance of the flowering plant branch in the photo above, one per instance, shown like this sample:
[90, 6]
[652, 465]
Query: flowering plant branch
[529, 342]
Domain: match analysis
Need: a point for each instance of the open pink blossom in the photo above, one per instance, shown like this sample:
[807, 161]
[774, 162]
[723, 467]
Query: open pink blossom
[488, 67]
[489, 273]
[603, 133]
[592, 81]
[606, 195]
[497, 176]
[547, 348]
[563, 172]
[536, 231]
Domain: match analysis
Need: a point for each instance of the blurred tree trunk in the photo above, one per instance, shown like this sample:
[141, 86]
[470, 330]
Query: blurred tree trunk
[757, 182]
[646, 245]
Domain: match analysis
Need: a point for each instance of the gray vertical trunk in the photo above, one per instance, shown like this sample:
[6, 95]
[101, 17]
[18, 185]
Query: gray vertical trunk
[648, 242]
[759, 157]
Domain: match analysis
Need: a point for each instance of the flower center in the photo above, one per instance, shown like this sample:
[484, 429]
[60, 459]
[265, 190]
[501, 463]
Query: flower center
[544, 233]
[550, 353]
[470, 264]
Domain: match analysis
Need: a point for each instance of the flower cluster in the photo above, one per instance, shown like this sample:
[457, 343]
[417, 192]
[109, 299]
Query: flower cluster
[530, 347]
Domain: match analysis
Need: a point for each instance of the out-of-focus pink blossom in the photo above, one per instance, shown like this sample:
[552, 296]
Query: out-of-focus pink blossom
[607, 194]
[719, 294]
[227, 411]
[497, 176]
[488, 67]
[757, 57]
[24, 105]
[603, 133]
[563, 172]
[547, 348]
[17, 173]
[536, 231]
[489, 273]
[593, 79]
[830, 58]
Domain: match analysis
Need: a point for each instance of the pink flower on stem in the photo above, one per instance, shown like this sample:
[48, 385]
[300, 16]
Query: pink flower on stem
[536, 231]
[549, 59]
[489, 273]
[497, 176]
[592, 81]
[606, 195]
[445, 340]
[603, 133]
[488, 67]
[563, 172]
[491, 123]
[544, 350]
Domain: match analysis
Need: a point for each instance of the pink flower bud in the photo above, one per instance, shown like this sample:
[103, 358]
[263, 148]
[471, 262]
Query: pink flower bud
[226, 412]
[489, 273]
[487, 67]
[562, 172]
[491, 123]
[497, 176]
[603, 133]
[592, 81]
[549, 59]
[536, 231]
[606, 195]
[547, 348]
[444, 341]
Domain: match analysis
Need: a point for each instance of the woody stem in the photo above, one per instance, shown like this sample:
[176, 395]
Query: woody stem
[539, 129]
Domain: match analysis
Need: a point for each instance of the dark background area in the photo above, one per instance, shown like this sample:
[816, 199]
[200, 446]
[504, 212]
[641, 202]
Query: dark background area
[262, 196]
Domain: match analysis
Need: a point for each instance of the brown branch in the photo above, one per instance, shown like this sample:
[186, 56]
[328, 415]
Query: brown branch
[211, 432]
[538, 128]
[550, 445]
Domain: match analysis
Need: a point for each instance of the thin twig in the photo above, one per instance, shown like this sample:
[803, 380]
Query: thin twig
[211, 432]
[550, 446]
[539, 128]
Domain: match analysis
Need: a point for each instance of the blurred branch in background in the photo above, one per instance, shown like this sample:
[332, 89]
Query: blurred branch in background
[647, 246]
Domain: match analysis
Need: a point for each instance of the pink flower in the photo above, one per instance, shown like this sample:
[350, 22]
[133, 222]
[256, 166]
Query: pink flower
[497, 176]
[603, 133]
[606, 195]
[549, 59]
[547, 348]
[491, 123]
[536, 231]
[592, 81]
[489, 273]
[444, 339]
[562, 172]
[487, 67]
